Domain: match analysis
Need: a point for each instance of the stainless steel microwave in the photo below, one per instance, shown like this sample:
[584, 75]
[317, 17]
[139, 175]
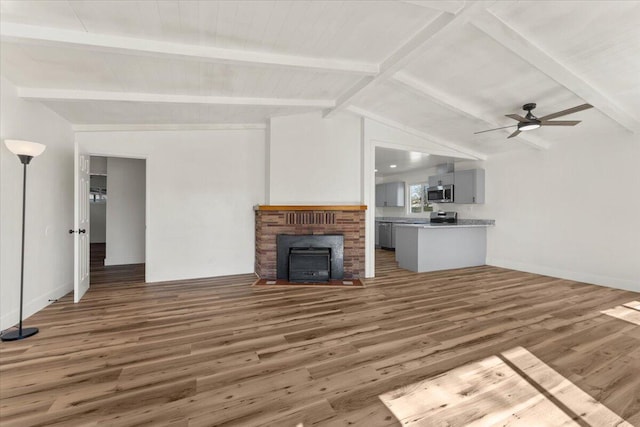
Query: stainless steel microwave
[440, 194]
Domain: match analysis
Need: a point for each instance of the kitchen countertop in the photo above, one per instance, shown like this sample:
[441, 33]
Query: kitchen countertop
[405, 221]
[444, 225]
[425, 222]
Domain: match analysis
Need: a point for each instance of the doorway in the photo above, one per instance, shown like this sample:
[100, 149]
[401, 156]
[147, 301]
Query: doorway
[117, 200]
[401, 177]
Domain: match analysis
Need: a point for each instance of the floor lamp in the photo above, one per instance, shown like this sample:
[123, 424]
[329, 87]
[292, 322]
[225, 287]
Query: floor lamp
[25, 151]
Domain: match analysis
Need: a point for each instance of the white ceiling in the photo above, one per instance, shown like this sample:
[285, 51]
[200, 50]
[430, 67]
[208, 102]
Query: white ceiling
[441, 69]
[406, 161]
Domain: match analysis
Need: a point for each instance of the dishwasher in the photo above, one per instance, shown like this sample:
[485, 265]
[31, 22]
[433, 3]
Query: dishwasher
[385, 234]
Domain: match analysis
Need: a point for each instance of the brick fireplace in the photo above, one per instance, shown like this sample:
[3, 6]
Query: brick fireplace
[272, 221]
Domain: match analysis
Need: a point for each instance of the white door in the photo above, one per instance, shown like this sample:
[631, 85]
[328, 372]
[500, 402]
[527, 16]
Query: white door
[81, 224]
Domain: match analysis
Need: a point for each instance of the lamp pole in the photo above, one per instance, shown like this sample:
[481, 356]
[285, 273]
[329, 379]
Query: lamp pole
[25, 151]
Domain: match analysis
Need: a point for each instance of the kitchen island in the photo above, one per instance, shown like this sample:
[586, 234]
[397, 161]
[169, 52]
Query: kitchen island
[432, 247]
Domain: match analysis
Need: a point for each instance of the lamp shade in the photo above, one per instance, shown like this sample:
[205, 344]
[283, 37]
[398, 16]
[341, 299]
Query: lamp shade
[24, 148]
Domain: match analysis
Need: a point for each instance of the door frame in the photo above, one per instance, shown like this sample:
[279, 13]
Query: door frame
[369, 145]
[147, 210]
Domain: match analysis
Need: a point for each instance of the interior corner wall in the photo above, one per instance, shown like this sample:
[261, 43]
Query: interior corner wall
[125, 222]
[201, 189]
[315, 161]
[98, 165]
[572, 211]
[49, 207]
[98, 209]
[98, 222]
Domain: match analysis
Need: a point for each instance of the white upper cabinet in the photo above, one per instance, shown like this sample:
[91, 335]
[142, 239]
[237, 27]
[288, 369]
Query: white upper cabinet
[468, 186]
[390, 194]
[442, 179]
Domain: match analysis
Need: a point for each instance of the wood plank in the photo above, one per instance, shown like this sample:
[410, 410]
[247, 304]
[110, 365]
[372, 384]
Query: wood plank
[487, 393]
[172, 353]
[161, 49]
[590, 410]
[627, 314]
[310, 207]
[633, 304]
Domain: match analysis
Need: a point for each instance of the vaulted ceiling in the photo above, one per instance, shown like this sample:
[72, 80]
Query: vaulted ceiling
[441, 70]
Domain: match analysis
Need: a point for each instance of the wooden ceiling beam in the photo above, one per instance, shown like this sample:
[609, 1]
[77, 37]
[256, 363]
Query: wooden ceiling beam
[165, 127]
[508, 37]
[464, 151]
[41, 94]
[459, 106]
[405, 53]
[20, 33]
[450, 6]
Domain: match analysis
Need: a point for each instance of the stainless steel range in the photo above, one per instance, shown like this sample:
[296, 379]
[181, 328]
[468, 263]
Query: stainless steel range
[442, 217]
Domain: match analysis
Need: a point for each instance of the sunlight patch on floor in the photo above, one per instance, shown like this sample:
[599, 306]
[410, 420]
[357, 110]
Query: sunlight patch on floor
[629, 312]
[514, 388]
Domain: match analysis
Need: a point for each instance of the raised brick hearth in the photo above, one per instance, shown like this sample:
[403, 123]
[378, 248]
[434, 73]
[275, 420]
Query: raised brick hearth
[346, 220]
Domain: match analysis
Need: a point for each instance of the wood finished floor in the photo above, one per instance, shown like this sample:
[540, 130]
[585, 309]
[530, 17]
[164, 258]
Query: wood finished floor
[219, 352]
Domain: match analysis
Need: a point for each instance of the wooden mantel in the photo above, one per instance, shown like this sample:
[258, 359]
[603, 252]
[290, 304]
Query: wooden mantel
[310, 208]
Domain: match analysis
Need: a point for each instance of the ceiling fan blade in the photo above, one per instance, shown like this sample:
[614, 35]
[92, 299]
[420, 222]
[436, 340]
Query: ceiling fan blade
[565, 112]
[516, 117]
[490, 130]
[516, 133]
[560, 123]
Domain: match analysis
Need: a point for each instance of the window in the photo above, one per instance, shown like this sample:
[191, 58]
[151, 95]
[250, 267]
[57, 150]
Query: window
[417, 198]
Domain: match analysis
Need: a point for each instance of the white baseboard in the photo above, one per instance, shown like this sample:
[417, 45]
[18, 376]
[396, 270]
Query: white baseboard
[594, 279]
[12, 318]
[108, 262]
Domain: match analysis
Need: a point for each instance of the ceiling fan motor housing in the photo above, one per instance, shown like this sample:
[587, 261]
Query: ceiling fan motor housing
[532, 121]
[530, 116]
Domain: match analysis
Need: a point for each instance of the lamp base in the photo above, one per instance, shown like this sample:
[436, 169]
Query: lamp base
[15, 335]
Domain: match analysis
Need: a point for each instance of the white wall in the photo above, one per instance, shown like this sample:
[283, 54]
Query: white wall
[315, 160]
[98, 165]
[49, 215]
[572, 211]
[98, 219]
[201, 189]
[125, 233]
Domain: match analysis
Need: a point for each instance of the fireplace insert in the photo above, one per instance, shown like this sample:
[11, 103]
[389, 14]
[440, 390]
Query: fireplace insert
[310, 258]
[309, 264]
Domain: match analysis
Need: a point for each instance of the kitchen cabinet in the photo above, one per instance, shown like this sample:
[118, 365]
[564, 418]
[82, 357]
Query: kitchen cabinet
[442, 179]
[393, 236]
[468, 186]
[390, 194]
[377, 234]
[385, 230]
[381, 195]
[433, 248]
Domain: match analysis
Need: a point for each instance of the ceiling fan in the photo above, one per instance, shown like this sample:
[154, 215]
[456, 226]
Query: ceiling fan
[530, 122]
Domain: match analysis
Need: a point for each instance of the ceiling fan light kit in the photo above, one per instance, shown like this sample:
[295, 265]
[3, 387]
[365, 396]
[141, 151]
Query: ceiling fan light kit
[531, 122]
[528, 126]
